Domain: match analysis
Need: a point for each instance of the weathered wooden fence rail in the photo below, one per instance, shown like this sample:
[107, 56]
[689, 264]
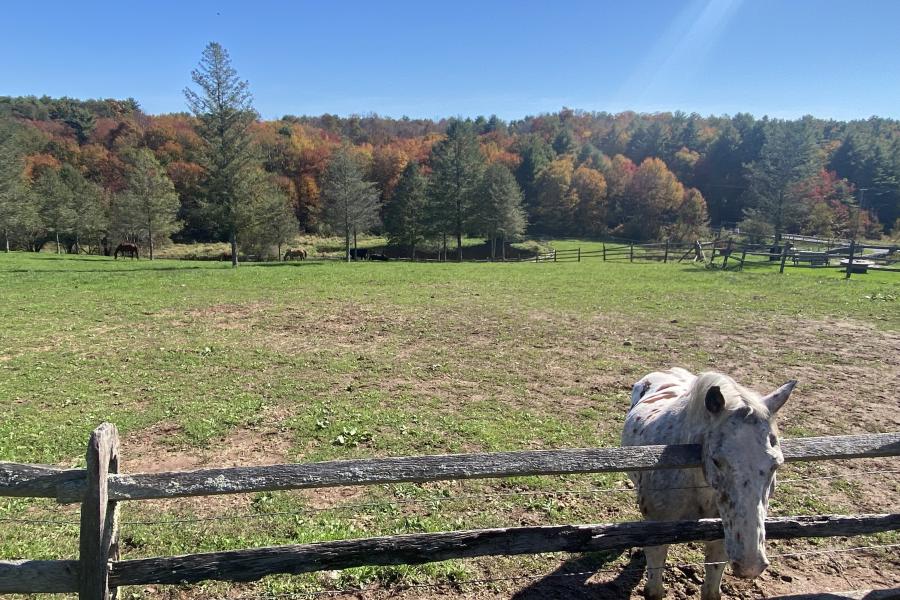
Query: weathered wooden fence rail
[418, 548]
[69, 485]
[99, 487]
[734, 255]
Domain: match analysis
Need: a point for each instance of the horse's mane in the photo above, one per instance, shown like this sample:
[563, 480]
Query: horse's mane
[736, 397]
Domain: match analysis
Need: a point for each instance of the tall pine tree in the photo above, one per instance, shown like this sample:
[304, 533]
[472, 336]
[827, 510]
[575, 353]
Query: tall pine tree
[349, 202]
[457, 165]
[788, 156]
[404, 219]
[147, 210]
[224, 110]
[498, 212]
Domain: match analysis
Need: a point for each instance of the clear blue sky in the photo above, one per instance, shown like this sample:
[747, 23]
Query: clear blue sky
[783, 58]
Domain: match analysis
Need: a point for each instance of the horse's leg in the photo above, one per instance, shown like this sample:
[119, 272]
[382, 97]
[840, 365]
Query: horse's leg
[656, 566]
[715, 553]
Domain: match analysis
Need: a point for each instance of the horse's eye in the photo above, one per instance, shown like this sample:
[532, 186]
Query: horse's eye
[773, 441]
[717, 463]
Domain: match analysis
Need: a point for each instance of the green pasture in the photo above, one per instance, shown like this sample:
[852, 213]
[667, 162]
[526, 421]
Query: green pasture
[323, 359]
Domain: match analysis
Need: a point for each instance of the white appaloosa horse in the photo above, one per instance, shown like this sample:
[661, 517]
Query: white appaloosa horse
[737, 432]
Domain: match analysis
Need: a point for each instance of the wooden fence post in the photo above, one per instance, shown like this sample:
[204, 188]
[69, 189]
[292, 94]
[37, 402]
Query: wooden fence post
[850, 259]
[631, 252]
[579, 254]
[666, 255]
[554, 255]
[604, 251]
[99, 542]
[784, 251]
[743, 257]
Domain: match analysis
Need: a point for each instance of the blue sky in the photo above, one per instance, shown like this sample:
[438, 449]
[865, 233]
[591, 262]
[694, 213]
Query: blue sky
[428, 59]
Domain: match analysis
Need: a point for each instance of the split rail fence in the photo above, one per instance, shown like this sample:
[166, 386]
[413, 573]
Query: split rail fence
[99, 488]
[852, 258]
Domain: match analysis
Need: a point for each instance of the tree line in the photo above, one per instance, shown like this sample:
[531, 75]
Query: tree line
[84, 175]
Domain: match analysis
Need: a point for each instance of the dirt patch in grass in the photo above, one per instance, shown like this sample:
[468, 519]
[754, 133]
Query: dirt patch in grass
[152, 450]
[238, 316]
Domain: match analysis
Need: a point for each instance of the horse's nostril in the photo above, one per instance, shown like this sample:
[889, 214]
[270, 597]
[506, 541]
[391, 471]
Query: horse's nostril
[750, 571]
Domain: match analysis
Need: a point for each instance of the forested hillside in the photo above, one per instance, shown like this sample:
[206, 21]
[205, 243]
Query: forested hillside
[95, 172]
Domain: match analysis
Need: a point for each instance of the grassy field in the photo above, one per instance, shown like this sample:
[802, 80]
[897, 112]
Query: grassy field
[202, 365]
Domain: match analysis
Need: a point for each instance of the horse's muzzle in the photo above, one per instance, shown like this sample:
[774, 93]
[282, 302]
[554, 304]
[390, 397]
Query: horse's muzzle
[749, 570]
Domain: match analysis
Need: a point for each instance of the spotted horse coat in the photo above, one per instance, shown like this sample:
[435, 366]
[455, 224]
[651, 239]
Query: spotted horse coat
[736, 429]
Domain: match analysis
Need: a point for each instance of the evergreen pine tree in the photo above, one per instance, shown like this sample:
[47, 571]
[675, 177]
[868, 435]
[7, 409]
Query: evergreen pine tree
[457, 165]
[404, 219]
[224, 111]
[349, 202]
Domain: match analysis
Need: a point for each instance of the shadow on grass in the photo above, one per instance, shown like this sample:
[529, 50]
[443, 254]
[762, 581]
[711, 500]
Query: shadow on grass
[57, 271]
[148, 266]
[65, 257]
[570, 580]
[310, 263]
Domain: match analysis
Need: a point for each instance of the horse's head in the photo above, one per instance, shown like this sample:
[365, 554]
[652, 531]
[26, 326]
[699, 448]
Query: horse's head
[740, 455]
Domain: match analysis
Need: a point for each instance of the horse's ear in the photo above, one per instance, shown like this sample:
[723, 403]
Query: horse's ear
[776, 399]
[715, 401]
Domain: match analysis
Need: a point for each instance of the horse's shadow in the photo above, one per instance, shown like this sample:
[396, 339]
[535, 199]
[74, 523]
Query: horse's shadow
[570, 580]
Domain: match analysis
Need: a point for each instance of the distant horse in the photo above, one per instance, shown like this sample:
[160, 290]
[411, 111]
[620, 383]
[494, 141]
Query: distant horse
[126, 248]
[359, 253]
[293, 253]
[698, 252]
[740, 453]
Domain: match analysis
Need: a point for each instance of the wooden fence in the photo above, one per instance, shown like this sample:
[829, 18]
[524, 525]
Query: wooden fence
[99, 488]
[732, 254]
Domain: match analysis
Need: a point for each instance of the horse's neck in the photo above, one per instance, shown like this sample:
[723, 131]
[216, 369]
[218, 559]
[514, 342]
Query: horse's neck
[690, 429]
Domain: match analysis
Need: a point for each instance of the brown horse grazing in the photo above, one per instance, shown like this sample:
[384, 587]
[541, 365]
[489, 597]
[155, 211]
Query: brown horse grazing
[127, 248]
[293, 253]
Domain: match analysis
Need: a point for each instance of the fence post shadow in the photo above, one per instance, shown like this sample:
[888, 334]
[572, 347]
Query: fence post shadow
[560, 584]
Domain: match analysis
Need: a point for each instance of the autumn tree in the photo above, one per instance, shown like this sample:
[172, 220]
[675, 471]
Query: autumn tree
[617, 172]
[404, 218]
[827, 204]
[555, 200]
[457, 165]
[224, 110]
[655, 194]
[147, 210]
[691, 218]
[350, 203]
[388, 163]
[498, 211]
[589, 186]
